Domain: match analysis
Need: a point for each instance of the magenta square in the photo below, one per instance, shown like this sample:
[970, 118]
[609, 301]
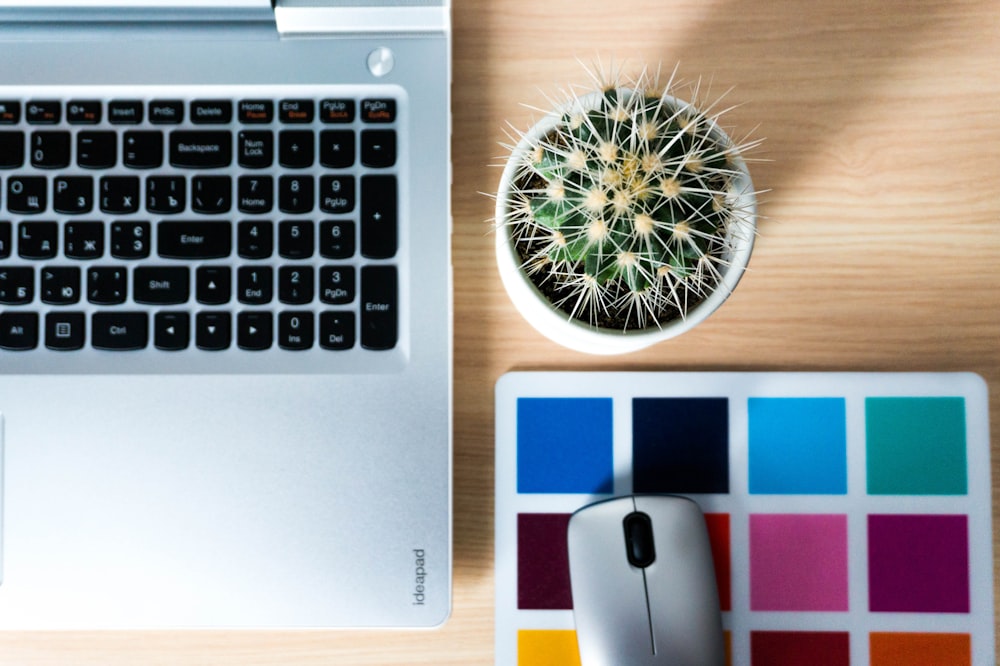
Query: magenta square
[798, 562]
[918, 563]
[543, 562]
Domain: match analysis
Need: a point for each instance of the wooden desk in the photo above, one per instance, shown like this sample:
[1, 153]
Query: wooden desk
[880, 249]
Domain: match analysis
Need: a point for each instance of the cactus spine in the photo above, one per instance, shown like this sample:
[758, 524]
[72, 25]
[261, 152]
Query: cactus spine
[626, 210]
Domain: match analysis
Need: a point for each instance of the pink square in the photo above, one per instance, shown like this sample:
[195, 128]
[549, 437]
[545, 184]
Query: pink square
[798, 562]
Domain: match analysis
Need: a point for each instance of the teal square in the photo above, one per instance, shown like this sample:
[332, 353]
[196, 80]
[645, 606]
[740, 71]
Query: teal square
[916, 446]
[797, 446]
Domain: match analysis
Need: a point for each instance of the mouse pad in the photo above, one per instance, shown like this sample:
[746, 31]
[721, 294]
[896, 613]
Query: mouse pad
[849, 513]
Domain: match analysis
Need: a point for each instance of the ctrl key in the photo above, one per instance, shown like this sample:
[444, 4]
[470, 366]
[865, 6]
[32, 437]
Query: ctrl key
[120, 331]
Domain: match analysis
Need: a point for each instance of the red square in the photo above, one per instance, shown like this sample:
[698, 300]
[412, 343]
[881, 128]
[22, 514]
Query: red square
[793, 648]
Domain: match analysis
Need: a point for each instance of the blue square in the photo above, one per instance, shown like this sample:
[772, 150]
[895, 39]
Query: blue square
[564, 445]
[798, 446]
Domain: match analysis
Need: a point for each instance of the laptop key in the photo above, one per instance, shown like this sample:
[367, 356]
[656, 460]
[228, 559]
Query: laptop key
[17, 285]
[255, 239]
[255, 194]
[84, 240]
[194, 240]
[50, 149]
[295, 284]
[213, 330]
[172, 330]
[295, 330]
[73, 195]
[18, 330]
[197, 149]
[211, 111]
[296, 110]
[60, 285]
[378, 148]
[130, 240]
[96, 150]
[120, 331]
[65, 331]
[254, 330]
[43, 112]
[27, 195]
[125, 112]
[11, 150]
[165, 194]
[336, 149]
[379, 307]
[255, 285]
[256, 111]
[336, 110]
[211, 195]
[214, 285]
[119, 194]
[296, 239]
[10, 112]
[255, 150]
[336, 284]
[336, 194]
[161, 285]
[37, 240]
[378, 110]
[5, 238]
[143, 150]
[336, 239]
[295, 149]
[378, 217]
[296, 194]
[107, 285]
[83, 112]
[336, 330]
[166, 111]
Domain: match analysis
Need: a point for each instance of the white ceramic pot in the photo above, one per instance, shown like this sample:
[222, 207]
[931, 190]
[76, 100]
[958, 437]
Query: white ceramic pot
[556, 324]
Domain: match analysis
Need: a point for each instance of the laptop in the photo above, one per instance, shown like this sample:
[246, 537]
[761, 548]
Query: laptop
[225, 315]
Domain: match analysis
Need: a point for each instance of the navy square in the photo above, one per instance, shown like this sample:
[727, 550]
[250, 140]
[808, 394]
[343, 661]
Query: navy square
[680, 445]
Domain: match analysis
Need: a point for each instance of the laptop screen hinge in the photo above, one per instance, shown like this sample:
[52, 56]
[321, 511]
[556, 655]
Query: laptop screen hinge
[132, 12]
[325, 17]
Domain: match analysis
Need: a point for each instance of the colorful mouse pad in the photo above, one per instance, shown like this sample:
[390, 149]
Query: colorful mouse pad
[849, 514]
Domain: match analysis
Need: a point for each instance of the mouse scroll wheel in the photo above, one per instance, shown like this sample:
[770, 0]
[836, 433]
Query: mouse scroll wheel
[639, 539]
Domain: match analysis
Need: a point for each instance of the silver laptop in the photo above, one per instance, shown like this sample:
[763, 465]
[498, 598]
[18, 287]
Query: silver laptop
[225, 316]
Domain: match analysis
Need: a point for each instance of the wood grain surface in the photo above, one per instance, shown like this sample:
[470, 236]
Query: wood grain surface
[879, 248]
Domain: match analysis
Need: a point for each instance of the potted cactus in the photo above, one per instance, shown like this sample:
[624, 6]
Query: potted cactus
[624, 217]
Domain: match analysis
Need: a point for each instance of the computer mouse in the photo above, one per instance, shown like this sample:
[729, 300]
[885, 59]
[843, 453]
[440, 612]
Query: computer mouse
[643, 584]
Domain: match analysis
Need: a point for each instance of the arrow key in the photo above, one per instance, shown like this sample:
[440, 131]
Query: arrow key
[254, 330]
[172, 330]
[213, 330]
[214, 285]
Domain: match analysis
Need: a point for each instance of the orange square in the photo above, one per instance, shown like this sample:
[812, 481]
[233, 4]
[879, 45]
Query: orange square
[912, 649]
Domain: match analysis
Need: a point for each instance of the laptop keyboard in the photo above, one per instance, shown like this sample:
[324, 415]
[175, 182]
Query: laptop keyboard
[199, 224]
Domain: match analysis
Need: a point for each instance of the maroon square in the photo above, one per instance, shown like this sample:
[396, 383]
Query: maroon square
[543, 562]
[792, 648]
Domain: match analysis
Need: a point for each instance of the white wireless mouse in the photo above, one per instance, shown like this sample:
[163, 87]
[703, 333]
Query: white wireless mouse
[643, 582]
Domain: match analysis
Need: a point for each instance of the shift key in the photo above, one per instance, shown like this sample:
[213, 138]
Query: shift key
[194, 240]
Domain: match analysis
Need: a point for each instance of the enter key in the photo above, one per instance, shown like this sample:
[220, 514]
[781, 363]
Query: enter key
[379, 307]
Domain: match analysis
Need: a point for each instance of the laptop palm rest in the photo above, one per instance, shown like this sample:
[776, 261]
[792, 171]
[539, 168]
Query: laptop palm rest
[237, 506]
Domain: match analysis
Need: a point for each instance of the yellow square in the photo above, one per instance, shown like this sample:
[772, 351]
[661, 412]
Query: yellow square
[547, 647]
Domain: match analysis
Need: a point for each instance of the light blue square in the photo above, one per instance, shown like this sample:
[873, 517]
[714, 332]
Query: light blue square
[564, 445]
[798, 446]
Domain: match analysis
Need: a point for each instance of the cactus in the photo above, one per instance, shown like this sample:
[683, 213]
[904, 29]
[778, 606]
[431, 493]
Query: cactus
[626, 211]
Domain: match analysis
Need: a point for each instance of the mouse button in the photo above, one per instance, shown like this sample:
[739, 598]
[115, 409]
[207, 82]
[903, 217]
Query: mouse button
[639, 547]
